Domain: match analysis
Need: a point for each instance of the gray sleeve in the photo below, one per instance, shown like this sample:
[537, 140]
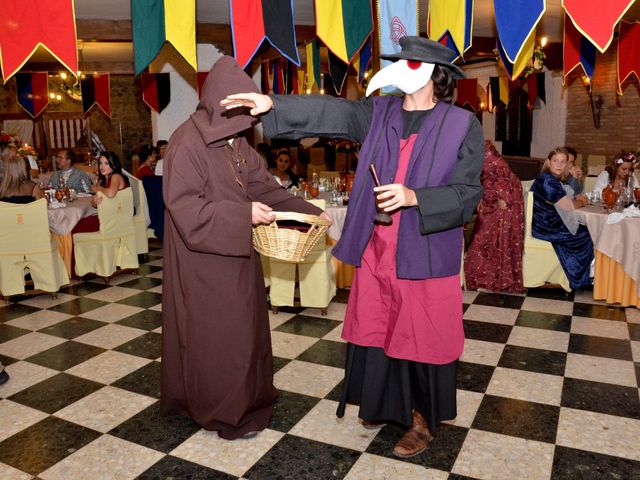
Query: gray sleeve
[299, 116]
[452, 205]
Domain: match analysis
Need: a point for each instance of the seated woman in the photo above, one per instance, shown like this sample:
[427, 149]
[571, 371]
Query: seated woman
[281, 170]
[554, 220]
[618, 173]
[494, 258]
[16, 186]
[110, 181]
[147, 161]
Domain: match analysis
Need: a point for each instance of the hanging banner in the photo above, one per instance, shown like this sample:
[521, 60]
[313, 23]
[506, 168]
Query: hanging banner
[344, 26]
[156, 90]
[32, 91]
[313, 64]
[397, 18]
[155, 22]
[516, 22]
[597, 19]
[468, 93]
[265, 82]
[96, 91]
[628, 52]
[278, 78]
[451, 22]
[338, 71]
[578, 51]
[292, 78]
[536, 86]
[254, 20]
[363, 60]
[499, 89]
[25, 25]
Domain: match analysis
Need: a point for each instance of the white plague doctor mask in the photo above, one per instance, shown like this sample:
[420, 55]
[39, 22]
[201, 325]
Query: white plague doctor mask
[407, 75]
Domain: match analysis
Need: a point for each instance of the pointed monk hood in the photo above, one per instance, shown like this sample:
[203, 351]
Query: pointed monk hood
[215, 123]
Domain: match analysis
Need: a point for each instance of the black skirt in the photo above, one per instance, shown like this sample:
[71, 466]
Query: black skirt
[389, 389]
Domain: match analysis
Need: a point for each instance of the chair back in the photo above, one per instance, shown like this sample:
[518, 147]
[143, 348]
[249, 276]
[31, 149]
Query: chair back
[153, 189]
[25, 228]
[116, 214]
[590, 183]
[528, 217]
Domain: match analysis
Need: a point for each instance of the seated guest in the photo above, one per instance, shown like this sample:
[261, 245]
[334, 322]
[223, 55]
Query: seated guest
[265, 152]
[618, 173]
[554, 220]
[16, 186]
[281, 170]
[573, 173]
[147, 160]
[494, 258]
[110, 181]
[161, 148]
[77, 179]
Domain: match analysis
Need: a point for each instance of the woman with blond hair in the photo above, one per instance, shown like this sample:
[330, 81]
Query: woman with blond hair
[16, 186]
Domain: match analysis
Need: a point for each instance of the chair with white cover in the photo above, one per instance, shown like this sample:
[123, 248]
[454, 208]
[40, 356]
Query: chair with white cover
[540, 263]
[140, 218]
[316, 277]
[114, 245]
[26, 246]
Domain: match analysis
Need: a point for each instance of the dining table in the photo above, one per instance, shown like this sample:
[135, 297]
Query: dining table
[617, 255]
[63, 217]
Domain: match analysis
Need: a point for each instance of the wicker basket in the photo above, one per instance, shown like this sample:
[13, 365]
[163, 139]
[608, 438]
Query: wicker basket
[287, 243]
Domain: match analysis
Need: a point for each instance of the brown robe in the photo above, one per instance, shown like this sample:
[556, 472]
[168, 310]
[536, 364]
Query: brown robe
[216, 347]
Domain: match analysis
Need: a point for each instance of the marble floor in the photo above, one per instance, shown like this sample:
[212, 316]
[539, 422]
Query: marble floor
[547, 388]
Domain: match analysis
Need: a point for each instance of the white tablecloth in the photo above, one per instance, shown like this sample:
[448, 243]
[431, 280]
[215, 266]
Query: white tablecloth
[62, 220]
[619, 241]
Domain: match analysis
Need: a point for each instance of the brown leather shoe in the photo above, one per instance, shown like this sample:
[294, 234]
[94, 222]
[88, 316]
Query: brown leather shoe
[416, 440]
[372, 424]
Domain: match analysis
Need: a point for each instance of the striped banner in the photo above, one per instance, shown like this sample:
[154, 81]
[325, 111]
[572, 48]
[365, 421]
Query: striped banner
[344, 26]
[32, 90]
[313, 64]
[451, 23]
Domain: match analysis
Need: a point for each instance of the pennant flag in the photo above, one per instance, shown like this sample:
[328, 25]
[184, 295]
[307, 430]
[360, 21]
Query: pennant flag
[278, 78]
[313, 64]
[363, 60]
[535, 84]
[577, 50]
[397, 18]
[96, 90]
[254, 20]
[344, 26]
[468, 93]
[451, 20]
[516, 22]
[301, 75]
[156, 90]
[596, 19]
[154, 22]
[265, 83]
[338, 71]
[201, 77]
[541, 80]
[25, 25]
[628, 52]
[32, 90]
[499, 89]
[514, 70]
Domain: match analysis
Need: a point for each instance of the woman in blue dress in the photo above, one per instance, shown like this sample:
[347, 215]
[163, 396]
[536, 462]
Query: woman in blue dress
[554, 220]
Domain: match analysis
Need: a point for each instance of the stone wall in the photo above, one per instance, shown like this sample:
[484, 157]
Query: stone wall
[129, 113]
[618, 117]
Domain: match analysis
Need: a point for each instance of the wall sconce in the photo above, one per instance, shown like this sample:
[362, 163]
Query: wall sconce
[596, 106]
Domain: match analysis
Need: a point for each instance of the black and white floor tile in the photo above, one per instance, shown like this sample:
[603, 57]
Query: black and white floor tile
[548, 388]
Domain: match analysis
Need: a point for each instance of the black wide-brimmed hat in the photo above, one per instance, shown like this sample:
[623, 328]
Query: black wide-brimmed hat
[424, 50]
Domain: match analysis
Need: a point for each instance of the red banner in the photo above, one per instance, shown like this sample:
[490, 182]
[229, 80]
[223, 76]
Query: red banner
[24, 25]
[597, 19]
[202, 76]
[628, 52]
[468, 93]
[32, 90]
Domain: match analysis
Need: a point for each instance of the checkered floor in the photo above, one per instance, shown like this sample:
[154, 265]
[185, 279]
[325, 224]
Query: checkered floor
[548, 388]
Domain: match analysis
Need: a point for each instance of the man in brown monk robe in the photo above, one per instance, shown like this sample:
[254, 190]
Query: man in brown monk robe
[216, 346]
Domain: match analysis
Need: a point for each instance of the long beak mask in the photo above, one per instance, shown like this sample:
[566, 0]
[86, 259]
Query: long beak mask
[407, 75]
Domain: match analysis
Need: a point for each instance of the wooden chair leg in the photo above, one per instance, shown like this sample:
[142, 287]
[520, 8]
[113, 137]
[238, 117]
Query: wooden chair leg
[274, 309]
[323, 312]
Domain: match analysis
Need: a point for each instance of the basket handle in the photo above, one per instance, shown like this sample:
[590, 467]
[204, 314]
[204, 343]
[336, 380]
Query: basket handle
[302, 217]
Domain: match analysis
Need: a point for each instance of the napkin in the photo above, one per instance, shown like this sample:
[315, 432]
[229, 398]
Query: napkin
[616, 217]
[84, 194]
[56, 204]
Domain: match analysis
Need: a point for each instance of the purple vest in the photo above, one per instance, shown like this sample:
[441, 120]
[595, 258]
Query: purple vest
[432, 161]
